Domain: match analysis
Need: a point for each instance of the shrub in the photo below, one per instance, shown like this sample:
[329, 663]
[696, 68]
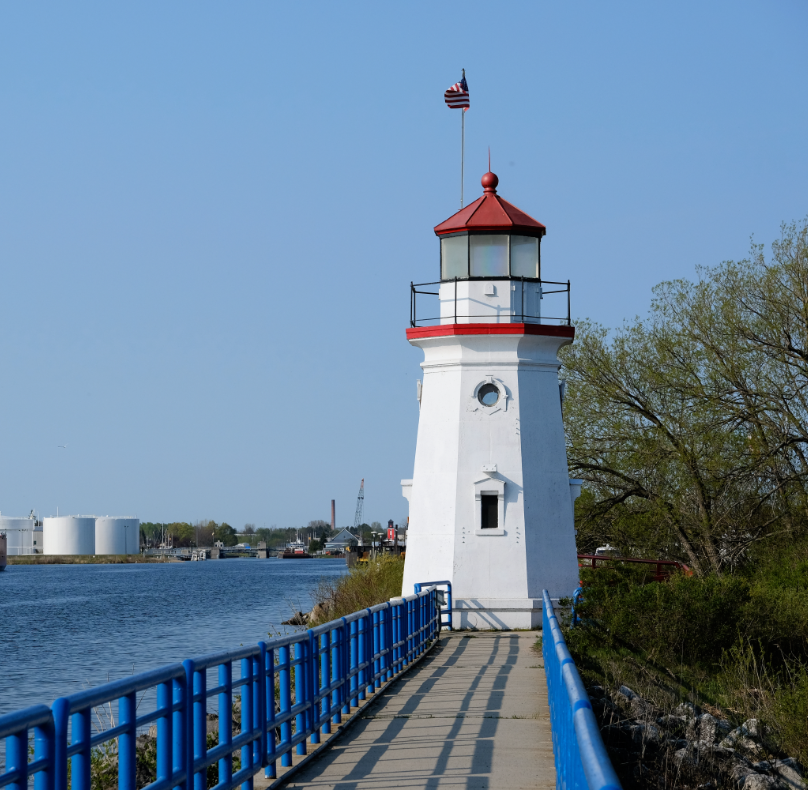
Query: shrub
[367, 584]
[682, 620]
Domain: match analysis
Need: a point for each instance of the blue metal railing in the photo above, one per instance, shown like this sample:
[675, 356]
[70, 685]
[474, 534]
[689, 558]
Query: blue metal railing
[580, 756]
[446, 607]
[291, 689]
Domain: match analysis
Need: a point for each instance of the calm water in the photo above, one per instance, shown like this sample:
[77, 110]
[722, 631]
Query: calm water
[64, 627]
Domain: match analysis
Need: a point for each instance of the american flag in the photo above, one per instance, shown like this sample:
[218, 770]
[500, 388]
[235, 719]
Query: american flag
[458, 95]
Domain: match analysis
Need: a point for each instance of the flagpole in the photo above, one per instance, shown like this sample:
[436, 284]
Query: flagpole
[462, 150]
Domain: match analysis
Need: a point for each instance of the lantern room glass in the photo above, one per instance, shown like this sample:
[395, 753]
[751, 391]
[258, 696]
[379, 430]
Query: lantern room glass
[454, 257]
[489, 256]
[524, 257]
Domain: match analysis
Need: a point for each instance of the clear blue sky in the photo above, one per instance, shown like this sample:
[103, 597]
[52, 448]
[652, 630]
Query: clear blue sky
[210, 214]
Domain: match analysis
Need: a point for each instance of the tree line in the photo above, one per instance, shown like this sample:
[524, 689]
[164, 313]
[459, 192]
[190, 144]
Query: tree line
[205, 533]
[690, 426]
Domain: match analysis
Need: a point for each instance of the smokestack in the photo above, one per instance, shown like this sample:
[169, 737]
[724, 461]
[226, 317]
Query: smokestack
[333, 514]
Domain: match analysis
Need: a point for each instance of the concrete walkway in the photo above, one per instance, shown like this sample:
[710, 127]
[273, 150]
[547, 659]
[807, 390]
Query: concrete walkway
[472, 715]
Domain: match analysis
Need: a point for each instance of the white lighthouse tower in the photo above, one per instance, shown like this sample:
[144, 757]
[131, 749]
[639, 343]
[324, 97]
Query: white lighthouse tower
[491, 502]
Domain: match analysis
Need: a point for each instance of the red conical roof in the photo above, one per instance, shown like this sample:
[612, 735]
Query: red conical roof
[491, 212]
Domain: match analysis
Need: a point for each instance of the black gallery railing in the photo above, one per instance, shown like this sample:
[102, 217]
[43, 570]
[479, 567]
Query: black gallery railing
[497, 314]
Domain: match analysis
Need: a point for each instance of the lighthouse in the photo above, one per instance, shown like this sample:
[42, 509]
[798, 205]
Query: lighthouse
[491, 502]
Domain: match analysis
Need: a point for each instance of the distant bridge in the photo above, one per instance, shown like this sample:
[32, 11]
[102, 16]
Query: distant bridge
[187, 553]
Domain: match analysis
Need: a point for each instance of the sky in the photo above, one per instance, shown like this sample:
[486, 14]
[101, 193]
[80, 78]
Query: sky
[210, 216]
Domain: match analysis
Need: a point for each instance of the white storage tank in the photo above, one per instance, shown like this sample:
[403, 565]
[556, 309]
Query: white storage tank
[117, 535]
[69, 534]
[21, 535]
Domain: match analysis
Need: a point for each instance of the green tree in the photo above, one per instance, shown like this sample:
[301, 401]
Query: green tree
[181, 534]
[226, 534]
[150, 533]
[689, 426]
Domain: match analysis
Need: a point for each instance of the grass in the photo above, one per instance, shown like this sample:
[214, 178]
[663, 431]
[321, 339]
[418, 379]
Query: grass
[365, 585]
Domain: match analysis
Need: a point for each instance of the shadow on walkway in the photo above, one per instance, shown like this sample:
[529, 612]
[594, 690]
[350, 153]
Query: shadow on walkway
[473, 714]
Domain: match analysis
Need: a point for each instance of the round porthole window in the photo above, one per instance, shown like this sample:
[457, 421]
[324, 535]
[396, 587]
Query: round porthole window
[488, 394]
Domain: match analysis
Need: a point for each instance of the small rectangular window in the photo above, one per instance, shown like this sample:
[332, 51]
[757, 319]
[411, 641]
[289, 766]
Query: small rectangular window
[454, 257]
[524, 257]
[489, 256]
[490, 511]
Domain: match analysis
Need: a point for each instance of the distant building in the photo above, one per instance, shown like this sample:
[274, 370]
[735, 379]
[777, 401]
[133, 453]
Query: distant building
[341, 541]
[24, 535]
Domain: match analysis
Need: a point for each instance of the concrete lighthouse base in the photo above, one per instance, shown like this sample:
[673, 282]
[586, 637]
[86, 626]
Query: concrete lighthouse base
[499, 614]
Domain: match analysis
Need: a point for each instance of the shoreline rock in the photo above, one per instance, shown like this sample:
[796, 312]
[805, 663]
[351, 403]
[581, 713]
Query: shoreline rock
[688, 746]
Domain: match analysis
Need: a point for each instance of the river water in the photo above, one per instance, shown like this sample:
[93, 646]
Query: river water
[66, 627]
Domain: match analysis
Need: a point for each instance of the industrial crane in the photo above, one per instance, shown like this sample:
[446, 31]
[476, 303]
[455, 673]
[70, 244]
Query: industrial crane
[360, 507]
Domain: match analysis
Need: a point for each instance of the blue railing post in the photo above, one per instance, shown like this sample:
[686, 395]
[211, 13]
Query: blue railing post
[165, 734]
[61, 721]
[81, 732]
[259, 698]
[419, 622]
[336, 718]
[354, 661]
[270, 771]
[402, 634]
[200, 725]
[284, 681]
[325, 680]
[388, 639]
[179, 735]
[226, 720]
[382, 647]
[246, 719]
[313, 675]
[188, 757]
[17, 758]
[405, 633]
[363, 653]
[300, 693]
[44, 735]
[375, 677]
[311, 686]
[413, 629]
[344, 663]
[391, 664]
[127, 746]
[395, 610]
[393, 637]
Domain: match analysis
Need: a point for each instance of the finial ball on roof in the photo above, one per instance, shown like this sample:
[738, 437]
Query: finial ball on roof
[489, 182]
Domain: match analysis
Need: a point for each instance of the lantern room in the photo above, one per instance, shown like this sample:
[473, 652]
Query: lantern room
[490, 238]
[490, 269]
